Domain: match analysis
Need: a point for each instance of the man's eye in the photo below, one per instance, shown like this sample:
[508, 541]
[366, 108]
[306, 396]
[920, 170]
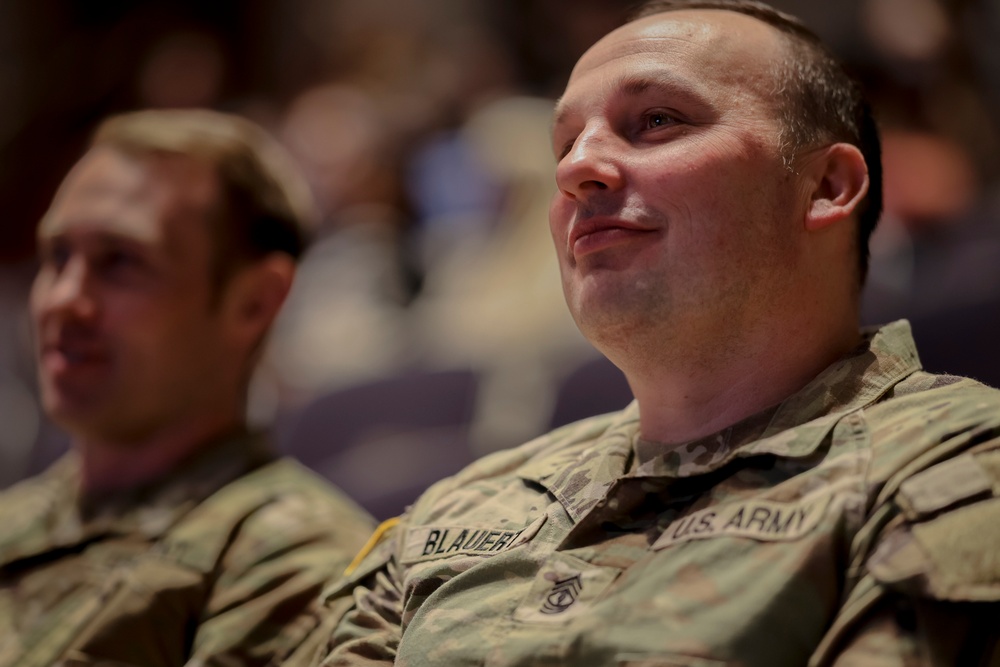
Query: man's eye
[55, 255]
[564, 150]
[657, 119]
[117, 260]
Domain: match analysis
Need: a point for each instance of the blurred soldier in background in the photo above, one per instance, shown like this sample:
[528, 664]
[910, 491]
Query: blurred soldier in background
[786, 489]
[170, 534]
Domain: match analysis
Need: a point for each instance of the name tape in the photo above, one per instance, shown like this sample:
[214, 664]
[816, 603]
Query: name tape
[431, 542]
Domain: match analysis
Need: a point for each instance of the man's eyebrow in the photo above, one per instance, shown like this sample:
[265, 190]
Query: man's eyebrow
[634, 85]
[558, 114]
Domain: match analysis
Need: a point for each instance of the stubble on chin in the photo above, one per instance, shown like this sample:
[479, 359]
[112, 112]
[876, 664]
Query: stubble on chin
[617, 314]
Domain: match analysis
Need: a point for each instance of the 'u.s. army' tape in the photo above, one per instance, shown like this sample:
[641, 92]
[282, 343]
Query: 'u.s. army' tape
[762, 520]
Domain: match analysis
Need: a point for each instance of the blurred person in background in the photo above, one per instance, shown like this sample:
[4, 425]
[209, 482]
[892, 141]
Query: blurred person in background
[344, 320]
[492, 302]
[787, 488]
[170, 534]
[19, 410]
[347, 319]
[936, 254]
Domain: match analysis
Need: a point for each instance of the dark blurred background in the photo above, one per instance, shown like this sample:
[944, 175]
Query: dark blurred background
[427, 326]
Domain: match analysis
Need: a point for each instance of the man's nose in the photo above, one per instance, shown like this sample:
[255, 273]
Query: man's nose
[70, 291]
[592, 165]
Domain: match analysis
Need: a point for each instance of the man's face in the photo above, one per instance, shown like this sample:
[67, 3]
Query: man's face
[675, 214]
[127, 334]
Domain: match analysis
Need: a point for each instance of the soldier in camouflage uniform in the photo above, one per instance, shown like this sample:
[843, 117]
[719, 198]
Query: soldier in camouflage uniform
[785, 490]
[170, 535]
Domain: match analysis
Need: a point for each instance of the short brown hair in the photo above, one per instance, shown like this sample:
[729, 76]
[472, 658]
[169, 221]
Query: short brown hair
[266, 203]
[820, 101]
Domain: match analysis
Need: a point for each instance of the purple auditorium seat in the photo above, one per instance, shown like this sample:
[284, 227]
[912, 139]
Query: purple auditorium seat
[385, 441]
[593, 388]
[961, 341]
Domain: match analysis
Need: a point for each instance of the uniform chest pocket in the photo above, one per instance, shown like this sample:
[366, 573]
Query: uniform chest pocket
[154, 603]
[56, 602]
[564, 588]
[47, 630]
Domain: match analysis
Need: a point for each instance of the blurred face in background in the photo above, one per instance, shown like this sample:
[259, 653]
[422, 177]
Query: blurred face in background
[129, 336]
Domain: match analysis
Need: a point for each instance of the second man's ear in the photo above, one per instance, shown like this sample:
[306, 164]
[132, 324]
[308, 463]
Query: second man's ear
[258, 292]
[840, 182]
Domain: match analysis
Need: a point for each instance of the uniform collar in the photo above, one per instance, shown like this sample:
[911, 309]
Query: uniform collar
[47, 512]
[795, 427]
[579, 476]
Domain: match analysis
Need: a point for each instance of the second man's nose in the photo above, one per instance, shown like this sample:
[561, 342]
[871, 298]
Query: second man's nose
[71, 289]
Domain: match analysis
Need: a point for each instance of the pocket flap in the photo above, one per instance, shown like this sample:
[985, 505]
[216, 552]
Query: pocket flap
[954, 556]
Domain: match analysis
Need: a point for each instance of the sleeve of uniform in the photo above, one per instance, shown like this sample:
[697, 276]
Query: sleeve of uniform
[368, 607]
[262, 604]
[928, 587]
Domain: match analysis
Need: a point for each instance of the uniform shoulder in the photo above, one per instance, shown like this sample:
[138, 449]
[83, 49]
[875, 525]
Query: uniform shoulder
[288, 507]
[29, 507]
[926, 420]
[287, 477]
[928, 407]
[272, 509]
[917, 385]
[41, 488]
[297, 499]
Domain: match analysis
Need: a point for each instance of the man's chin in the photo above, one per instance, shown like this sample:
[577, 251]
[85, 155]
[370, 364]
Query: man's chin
[611, 304]
[80, 416]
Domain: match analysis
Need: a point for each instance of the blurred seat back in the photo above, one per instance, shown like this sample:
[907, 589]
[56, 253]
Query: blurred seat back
[595, 387]
[384, 442]
[964, 340]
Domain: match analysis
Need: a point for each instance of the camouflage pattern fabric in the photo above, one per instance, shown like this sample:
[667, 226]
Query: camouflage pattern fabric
[219, 564]
[837, 528]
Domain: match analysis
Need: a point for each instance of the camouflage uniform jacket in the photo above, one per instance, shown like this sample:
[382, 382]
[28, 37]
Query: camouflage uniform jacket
[855, 523]
[203, 567]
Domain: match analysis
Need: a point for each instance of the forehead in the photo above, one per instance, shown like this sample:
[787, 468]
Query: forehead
[142, 198]
[704, 50]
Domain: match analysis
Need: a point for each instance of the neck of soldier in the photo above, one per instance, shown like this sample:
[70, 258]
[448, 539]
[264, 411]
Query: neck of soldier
[120, 462]
[689, 392]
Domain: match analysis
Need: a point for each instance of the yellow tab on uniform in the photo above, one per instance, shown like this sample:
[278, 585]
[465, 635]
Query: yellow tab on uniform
[431, 542]
[372, 542]
[762, 520]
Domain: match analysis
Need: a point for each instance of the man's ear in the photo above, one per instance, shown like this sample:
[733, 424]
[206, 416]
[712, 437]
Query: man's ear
[839, 183]
[257, 293]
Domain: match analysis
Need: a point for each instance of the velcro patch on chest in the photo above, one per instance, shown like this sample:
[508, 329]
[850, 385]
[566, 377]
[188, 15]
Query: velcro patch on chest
[432, 542]
[762, 520]
[564, 588]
